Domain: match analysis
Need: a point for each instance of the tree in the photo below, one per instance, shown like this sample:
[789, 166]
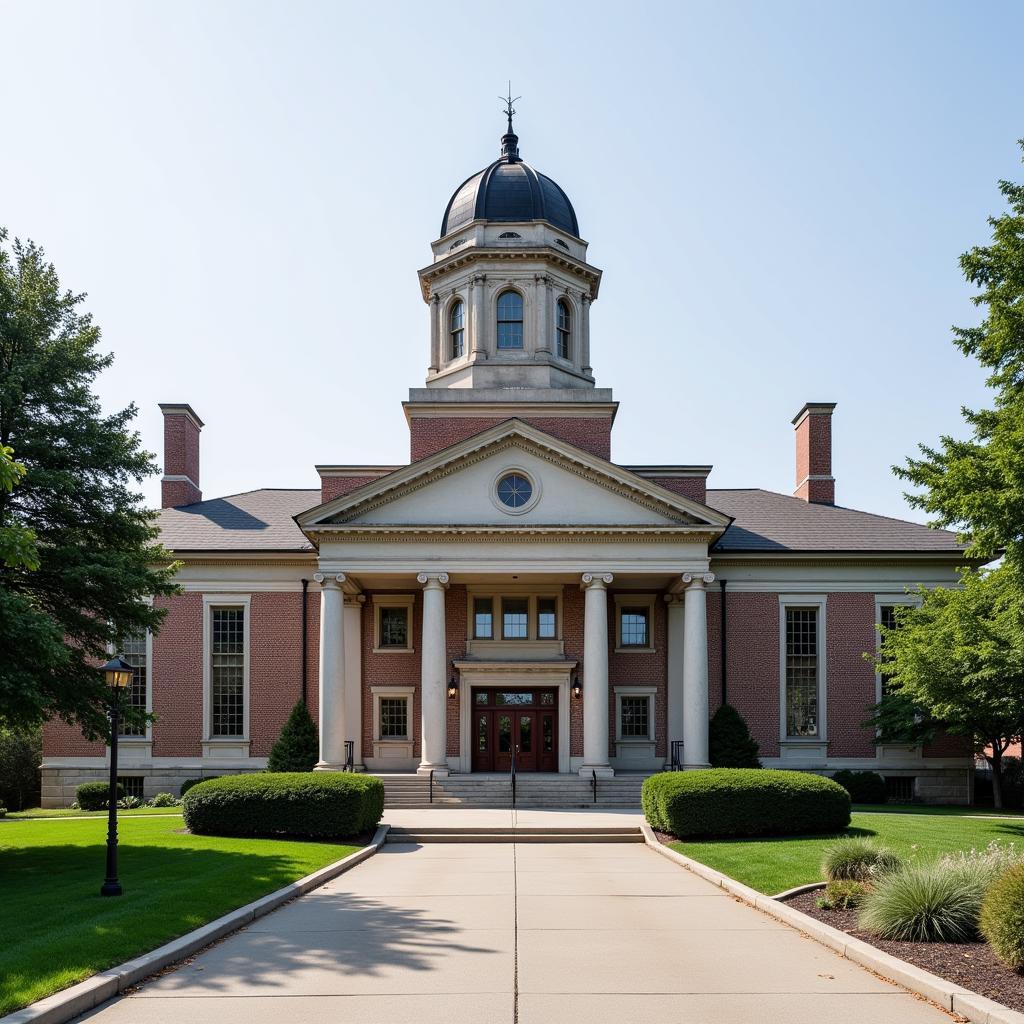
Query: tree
[977, 486]
[958, 660]
[97, 552]
[21, 751]
[298, 747]
[17, 543]
[730, 744]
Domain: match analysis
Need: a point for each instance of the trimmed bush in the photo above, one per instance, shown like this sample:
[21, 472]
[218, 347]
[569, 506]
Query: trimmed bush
[744, 802]
[730, 744]
[842, 895]
[863, 787]
[309, 804]
[189, 783]
[1002, 918]
[163, 800]
[92, 796]
[858, 860]
[298, 747]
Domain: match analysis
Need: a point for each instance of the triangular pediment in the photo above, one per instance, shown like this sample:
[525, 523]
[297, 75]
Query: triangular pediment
[458, 487]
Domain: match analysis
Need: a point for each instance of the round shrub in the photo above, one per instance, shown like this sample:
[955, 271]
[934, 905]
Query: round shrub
[858, 860]
[189, 783]
[92, 796]
[931, 902]
[744, 802]
[312, 804]
[863, 787]
[842, 895]
[1002, 918]
[164, 800]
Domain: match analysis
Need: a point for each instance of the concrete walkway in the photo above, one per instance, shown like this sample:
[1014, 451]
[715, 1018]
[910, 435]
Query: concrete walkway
[448, 933]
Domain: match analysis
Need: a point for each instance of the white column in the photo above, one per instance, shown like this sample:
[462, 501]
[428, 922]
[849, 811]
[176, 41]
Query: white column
[478, 319]
[435, 334]
[595, 675]
[585, 333]
[433, 685]
[695, 670]
[332, 672]
[354, 675]
[676, 632]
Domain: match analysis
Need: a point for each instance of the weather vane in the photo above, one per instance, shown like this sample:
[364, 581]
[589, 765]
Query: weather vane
[509, 109]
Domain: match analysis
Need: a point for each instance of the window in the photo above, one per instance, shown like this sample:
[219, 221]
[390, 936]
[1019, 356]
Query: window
[227, 672]
[392, 722]
[457, 329]
[135, 650]
[514, 490]
[483, 618]
[510, 234]
[634, 722]
[563, 324]
[394, 718]
[634, 627]
[510, 320]
[547, 618]
[132, 785]
[635, 717]
[515, 615]
[802, 672]
[899, 789]
[887, 619]
[393, 626]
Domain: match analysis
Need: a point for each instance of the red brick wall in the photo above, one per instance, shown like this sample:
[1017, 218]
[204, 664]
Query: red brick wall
[456, 628]
[333, 486]
[430, 434]
[63, 740]
[181, 458]
[572, 635]
[693, 487]
[850, 677]
[947, 745]
[814, 458]
[177, 678]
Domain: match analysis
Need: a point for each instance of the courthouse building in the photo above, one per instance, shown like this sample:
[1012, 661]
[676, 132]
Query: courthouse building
[512, 591]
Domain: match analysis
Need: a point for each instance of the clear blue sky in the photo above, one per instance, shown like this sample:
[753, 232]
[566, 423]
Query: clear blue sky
[777, 194]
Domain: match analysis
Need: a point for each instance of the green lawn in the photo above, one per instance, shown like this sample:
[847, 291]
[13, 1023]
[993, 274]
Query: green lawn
[68, 812]
[772, 865]
[55, 928]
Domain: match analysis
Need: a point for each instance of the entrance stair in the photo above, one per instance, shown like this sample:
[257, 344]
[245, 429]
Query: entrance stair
[516, 834]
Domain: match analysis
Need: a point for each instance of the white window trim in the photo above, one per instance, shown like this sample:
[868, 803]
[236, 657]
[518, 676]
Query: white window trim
[634, 601]
[912, 601]
[211, 601]
[820, 602]
[407, 601]
[392, 691]
[532, 594]
[635, 691]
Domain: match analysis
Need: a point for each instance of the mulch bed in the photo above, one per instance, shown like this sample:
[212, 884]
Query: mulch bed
[970, 964]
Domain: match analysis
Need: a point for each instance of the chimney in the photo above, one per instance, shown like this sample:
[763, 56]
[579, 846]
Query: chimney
[180, 483]
[814, 479]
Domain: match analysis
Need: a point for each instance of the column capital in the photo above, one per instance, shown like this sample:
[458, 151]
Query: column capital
[673, 599]
[698, 579]
[436, 579]
[355, 600]
[596, 579]
[330, 580]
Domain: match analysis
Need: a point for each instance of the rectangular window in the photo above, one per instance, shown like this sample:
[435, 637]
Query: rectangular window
[135, 651]
[801, 672]
[886, 618]
[515, 615]
[547, 618]
[227, 672]
[634, 627]
[394, 718]
[132, 785]
[635, 717]
[394, 627]
[483, 618]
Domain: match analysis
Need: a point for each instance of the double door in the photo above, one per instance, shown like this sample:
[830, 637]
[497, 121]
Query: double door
[519, 723]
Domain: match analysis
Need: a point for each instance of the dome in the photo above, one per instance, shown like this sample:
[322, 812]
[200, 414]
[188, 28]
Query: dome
[509, 190]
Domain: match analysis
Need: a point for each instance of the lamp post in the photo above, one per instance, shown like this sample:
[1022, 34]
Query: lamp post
[119, 677]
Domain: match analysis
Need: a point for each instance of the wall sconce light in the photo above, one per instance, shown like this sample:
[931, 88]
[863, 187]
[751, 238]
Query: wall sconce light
[577, 687]
[453, 688]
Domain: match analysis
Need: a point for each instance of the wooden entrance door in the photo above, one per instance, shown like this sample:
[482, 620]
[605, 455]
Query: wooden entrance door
[519, 722]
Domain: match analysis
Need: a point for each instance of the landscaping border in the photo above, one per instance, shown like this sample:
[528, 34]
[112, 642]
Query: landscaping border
[943, 993]
[86, 995]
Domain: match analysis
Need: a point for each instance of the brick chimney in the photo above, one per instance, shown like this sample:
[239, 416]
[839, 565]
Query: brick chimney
[180, 483]
[814, 479]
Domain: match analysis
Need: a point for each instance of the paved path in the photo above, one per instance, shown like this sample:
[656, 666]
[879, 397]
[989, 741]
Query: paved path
[527, 933]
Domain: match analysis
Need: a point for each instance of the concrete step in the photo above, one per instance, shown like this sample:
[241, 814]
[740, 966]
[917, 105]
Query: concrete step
[602, 834]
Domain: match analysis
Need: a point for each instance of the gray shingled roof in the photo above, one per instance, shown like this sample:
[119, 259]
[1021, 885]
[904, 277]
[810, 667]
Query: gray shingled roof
[253, 521]
[767, 521]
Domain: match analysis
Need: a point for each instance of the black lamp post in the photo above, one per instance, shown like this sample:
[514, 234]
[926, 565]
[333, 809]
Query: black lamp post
[119, 677]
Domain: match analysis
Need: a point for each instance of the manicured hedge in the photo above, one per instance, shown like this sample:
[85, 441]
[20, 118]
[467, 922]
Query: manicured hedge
[93, 796]
[863, 787]
[744, 802]
[189, 783]
[315, 804]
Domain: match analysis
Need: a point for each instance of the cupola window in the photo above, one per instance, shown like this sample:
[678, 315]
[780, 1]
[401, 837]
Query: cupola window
[457, 329]
[564, 329]
[510, 320]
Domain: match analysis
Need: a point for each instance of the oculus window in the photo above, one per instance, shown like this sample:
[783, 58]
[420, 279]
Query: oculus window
[514, 490]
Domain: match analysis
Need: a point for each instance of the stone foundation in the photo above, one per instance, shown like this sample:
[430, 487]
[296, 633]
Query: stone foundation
[59, 784]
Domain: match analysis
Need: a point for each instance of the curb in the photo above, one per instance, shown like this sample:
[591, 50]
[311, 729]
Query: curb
[945, 994]
[798, 890]
[78, 999]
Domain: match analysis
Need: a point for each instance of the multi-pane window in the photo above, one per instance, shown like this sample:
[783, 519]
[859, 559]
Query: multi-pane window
[634, 627]
[510, 320]
[801, 672]
[132, 785]
[887, 617]
[483, 618]
[635, 717]
[457, 329]
[515, 615]
[394, 718]
[563, 329]
[134, 650]
[547, 618]
[394, 627]
[227, 672]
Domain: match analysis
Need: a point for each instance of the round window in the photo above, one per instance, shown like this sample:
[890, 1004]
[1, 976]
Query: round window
[514, 490]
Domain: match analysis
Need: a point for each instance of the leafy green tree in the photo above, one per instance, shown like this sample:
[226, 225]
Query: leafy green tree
[97, 551]
[21, 751]
[298, 747]
[958, 660]
[17, 543]
[730, 744]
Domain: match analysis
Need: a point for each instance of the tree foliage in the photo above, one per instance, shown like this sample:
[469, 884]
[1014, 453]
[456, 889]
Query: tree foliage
[97, 552]
[298, 747]
[730, 744]
[21, 751]
[17, 543]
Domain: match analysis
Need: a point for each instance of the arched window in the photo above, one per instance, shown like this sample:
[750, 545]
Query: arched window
[457, 329]
[563, 327]
[510, 320]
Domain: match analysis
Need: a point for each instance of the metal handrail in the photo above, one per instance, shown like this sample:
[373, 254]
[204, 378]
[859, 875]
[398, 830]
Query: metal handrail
[593, 783]
[677, 755]
[431, 785]
[512, 773]
[350, 746]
